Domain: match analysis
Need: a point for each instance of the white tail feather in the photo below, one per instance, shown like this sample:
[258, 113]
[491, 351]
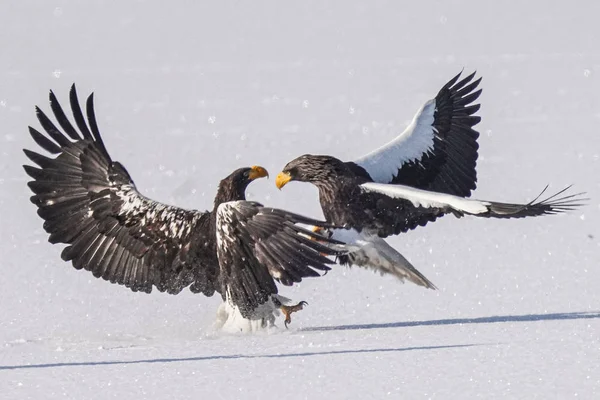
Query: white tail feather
[373, 252]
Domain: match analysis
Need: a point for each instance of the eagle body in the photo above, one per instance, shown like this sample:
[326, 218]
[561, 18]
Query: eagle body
[346, 203]
[238, 249]
[426, 172]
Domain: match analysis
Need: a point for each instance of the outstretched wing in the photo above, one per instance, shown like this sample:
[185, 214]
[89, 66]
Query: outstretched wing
[396, 208]
[90, 203]
[438, 150]
[256, 245]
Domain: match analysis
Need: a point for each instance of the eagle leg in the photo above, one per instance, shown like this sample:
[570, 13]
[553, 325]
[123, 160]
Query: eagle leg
[288, 310]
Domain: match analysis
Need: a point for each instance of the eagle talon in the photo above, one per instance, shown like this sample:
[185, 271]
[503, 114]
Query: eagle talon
[288, 310]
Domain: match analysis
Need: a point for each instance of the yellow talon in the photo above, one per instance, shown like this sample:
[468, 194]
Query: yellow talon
[288, 310]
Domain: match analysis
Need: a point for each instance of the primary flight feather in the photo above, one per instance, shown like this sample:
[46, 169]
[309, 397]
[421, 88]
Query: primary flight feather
[238, 249]
[426, 172]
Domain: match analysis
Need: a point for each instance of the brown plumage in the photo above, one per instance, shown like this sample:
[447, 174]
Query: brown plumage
[426, 172]
[89, 202]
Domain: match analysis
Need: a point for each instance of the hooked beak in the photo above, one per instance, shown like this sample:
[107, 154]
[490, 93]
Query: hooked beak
[256, 171]
[282, 179]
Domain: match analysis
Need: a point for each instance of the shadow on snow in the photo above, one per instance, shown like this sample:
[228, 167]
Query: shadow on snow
[228, 357]
[454, 321]
[463, 321]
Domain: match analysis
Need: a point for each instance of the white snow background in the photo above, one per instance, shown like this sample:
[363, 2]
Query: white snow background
[188, 91]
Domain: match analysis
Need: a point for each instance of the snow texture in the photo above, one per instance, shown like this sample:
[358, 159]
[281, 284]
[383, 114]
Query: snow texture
[186, 92]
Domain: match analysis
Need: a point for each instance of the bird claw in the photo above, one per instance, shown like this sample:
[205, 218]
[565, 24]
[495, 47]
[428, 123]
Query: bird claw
[288, 310]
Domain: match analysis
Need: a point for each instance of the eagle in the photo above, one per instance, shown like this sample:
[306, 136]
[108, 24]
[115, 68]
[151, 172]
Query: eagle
[428, 171]
[238, 249]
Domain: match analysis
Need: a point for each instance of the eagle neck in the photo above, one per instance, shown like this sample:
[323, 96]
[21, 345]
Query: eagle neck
[335, 197]
[328, 193]
[228, 192]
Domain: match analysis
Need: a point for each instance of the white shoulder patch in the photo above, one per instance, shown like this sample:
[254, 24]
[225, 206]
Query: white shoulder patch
[383, 163]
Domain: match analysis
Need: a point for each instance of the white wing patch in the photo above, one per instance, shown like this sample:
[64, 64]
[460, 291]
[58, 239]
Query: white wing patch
[427, 199]
[411, 145]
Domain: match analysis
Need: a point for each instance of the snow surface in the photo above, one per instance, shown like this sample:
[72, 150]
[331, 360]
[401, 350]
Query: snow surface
[186, 92]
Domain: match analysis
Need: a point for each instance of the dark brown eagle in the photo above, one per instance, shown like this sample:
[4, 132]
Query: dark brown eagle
[421, 175]
[239, 249]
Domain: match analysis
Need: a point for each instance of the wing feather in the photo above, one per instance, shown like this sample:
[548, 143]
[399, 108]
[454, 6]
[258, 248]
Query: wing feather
[78, 115]
[62, 118]
[50, 129]
[424, 202]
[91, 204]
[44, 142]
[438, 150]
[257, 244]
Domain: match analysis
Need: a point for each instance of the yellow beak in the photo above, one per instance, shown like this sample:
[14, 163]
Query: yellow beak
[282, 179]
[257, 172]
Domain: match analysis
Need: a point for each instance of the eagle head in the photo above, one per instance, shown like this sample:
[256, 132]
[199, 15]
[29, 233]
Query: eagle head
[311, 168]
[233, 187]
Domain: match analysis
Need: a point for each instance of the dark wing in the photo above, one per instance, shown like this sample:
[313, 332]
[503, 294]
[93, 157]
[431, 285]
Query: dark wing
[257, 244]
[90, 203]
[438, 150]
[391, 209]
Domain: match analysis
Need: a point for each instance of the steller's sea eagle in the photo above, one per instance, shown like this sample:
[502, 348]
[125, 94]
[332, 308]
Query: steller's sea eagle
[421, 175]
[238, 249]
